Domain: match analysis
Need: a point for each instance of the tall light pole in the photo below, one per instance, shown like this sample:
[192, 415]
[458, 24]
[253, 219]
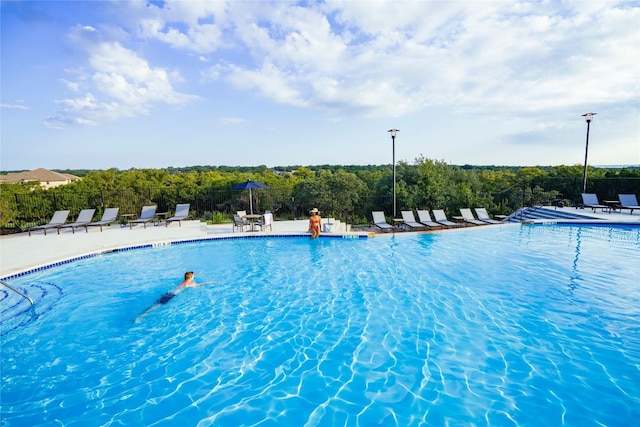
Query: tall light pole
[587, 117]
[393, 144]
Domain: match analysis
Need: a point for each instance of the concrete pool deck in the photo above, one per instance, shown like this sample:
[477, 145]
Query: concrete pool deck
[21, 252]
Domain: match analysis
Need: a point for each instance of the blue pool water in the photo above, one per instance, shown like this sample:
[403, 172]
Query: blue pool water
[498, 326]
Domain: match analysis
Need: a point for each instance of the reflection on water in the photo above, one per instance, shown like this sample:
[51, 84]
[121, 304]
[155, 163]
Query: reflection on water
[575, 277]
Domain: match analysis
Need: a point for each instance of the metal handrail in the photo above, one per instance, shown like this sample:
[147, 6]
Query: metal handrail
[17, 291]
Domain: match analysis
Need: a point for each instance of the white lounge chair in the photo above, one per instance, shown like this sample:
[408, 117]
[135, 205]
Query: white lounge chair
[468, 217]
[424, 218]
[182, 212]
[628, 201]
[380, 221]
[441, 218]
[590, 200]
[109, 216]
[408, 220]
[147, 215]
[84, 217]
[483, 216]
[58, 218]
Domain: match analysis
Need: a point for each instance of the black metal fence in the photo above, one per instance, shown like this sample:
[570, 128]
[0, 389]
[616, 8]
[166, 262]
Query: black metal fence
[38, 207]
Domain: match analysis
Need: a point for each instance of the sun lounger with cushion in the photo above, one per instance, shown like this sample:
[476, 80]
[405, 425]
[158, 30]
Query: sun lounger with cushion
[590, 200]
[147, 215]
[441, 218]
[58, 218]
[109, 216]
[84, 217]
[483, 215]
[424, 218]
[628, 201]
[469, 218]
[410, 221]
[182, 212]
[380, 221]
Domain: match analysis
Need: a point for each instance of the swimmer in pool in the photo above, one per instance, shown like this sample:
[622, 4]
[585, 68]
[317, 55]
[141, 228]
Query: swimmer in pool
[168, 296]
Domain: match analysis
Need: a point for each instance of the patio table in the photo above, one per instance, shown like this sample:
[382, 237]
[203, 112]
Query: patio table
[252, 219]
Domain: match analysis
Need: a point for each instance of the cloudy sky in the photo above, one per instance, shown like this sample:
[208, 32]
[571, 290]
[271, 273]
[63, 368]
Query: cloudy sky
[135, 84]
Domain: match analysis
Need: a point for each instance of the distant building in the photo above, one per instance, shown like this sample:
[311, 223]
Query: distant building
[46, 178]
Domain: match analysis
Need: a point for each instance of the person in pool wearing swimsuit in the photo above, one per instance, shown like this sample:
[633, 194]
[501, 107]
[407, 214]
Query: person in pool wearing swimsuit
[168, 296]
[186, 283]
[314, 223]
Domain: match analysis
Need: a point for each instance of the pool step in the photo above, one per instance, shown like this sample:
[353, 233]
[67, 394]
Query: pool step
[542, 212]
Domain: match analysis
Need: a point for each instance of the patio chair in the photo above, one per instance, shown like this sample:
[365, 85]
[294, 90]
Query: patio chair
[239, 223]
[182, 212]
[410, 221]
[265, 221]
[469, 218]
[84, 217]
[590, 200]
[424, 218]
[147, 215]
[380, 221]
[109, 216]
[483, 215]
[58, 218]
[441, 218]
[628, 201]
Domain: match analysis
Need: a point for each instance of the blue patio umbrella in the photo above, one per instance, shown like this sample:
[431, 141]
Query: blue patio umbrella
[250, 185]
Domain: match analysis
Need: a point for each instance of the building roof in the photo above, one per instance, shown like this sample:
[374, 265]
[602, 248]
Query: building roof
[41, 175]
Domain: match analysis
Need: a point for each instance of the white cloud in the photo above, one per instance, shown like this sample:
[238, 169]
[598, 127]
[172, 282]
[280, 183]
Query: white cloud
[14, 106]
[117, 83]
[369, 58]
[231, 120]
[271, 82]
[394, 58]
[188, 25]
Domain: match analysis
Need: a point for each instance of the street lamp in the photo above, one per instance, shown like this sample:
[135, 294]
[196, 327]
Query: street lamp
[393, 144]
[587, 117]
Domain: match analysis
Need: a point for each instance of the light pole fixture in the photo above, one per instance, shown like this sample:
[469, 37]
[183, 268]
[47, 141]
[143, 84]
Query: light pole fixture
[393, 145]
[587, 117]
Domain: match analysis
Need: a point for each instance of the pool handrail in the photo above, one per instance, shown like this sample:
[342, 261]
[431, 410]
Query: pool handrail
[17, 291]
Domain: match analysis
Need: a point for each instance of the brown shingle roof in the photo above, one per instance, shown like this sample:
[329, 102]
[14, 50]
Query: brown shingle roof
[41, 175]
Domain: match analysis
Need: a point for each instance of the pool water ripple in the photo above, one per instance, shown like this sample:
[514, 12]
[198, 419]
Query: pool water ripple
[532, 325]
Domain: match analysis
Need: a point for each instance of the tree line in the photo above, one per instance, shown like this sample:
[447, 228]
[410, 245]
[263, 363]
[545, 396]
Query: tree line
[341, 191]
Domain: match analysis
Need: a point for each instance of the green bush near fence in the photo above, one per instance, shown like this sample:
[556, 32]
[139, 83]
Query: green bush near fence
[215, 217]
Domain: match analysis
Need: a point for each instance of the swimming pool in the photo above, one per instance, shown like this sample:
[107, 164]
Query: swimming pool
[511, 325]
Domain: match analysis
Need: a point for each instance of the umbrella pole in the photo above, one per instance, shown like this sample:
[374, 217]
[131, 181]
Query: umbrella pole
[250, 201]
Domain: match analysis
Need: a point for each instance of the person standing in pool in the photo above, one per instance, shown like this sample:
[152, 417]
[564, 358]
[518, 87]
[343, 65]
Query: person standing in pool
[168, 296]
[314, 223]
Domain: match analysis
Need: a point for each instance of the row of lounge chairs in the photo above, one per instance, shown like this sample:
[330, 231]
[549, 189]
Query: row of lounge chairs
[625, 201]
[109, 216]
[439, 220]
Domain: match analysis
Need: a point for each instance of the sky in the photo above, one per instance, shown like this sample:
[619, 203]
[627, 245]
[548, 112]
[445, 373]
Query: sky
[135, 84]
